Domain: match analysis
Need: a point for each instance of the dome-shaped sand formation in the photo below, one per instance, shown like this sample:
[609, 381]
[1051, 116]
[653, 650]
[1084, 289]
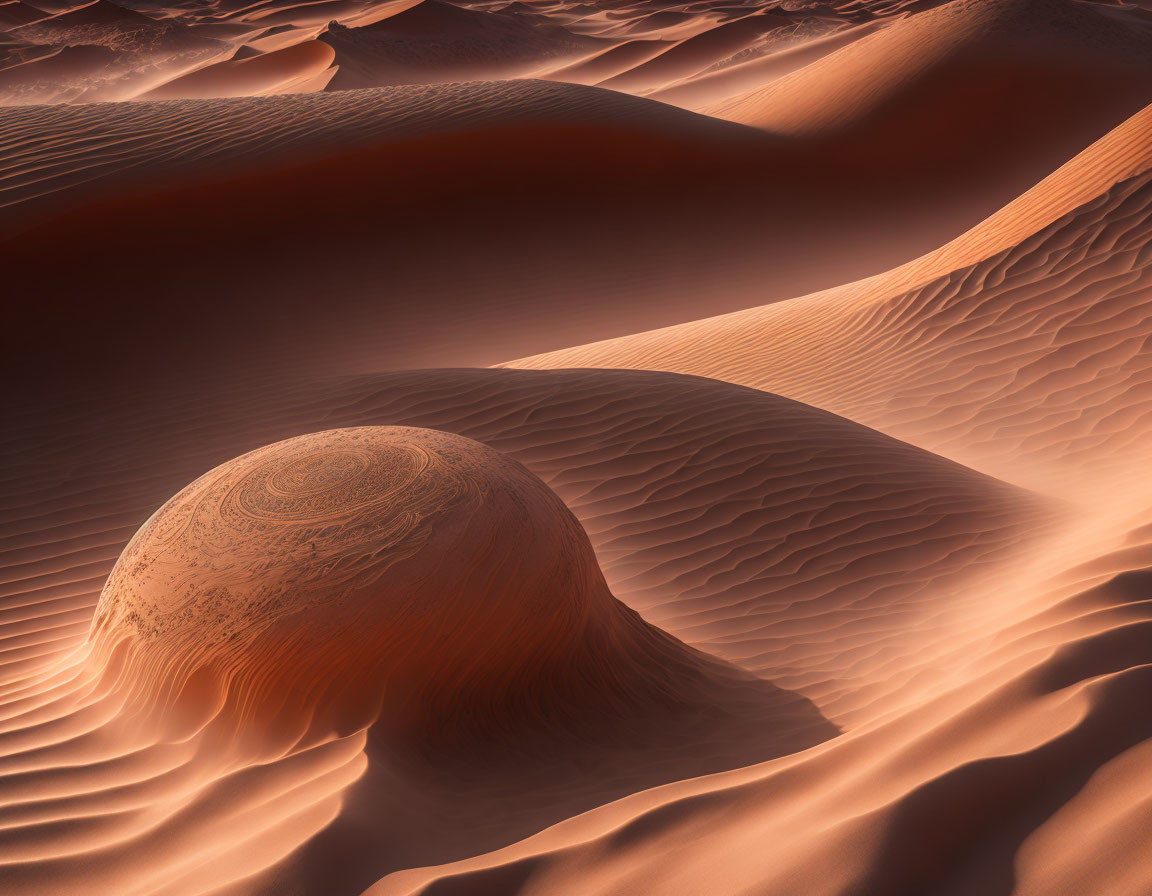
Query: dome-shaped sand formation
[413, 574]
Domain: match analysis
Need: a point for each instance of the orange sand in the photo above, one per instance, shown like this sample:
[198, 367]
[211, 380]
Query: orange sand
[805, 550]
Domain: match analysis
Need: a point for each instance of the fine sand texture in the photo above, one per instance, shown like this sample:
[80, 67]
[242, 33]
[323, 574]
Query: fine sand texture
[576, 448]
[1018, 349]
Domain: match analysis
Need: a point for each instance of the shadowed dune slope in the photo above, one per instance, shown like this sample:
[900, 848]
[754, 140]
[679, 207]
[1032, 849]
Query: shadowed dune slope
[1029, 362]
[656, 215]
[124, 142]
[743, 523]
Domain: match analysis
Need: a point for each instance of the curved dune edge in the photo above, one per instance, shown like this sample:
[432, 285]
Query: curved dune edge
[1027, 324]
[1067, 42]
[272, 72]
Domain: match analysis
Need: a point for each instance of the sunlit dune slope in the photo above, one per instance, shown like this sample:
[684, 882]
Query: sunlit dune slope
[1025, 777]
[1018, 349]
[715, 84]
[274, 72]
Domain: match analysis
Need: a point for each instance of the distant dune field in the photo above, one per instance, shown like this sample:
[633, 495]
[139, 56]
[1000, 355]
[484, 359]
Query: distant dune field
[560, 448]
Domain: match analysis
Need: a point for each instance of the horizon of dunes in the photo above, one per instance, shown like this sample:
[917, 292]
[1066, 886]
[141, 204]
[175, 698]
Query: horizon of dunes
[565, 448]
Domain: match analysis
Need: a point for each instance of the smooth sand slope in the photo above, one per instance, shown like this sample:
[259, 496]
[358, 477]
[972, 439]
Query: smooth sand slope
[1017, 349]
[992, 92]
[276, 72]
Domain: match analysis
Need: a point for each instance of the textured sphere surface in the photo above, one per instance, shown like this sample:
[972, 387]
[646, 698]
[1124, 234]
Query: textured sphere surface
[354, 552]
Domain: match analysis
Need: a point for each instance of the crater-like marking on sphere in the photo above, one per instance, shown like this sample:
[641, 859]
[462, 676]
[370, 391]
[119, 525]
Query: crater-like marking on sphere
[328, 484]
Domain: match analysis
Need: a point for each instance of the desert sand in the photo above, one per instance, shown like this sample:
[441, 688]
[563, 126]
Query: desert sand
[494, 448]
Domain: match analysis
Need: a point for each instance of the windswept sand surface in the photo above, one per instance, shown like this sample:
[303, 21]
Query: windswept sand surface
[1029, 362]
[806, 548]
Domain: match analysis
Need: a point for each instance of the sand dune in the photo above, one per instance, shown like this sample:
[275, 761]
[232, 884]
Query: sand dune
[47, 76]
[1065, 40]
[291, 167]
[543, 418]
[436, 41]
[927, 92]
[708, 88]
[1040, 742]
[699, 52]
[543, 671]
[259, 74]
[234, 193]
[1022, 362]
[97, 13]
[605, 64]
[96, 51]
[806, 550]
[744, 523]
[14, 13]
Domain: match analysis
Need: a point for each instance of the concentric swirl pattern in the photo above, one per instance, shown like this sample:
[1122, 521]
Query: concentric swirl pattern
[324, 484]
[288, 526]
